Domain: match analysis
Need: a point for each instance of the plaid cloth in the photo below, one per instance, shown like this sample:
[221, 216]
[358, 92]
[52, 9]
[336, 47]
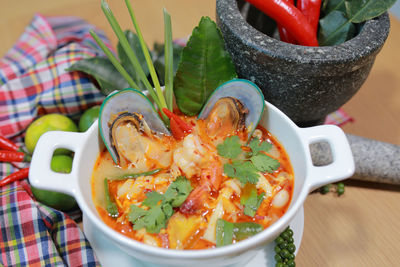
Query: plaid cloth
[34, 81]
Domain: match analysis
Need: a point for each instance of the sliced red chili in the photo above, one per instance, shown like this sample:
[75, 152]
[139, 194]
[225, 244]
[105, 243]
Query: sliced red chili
[16, 176]
[7, 144]
[176, 130]
[13, 156]
[289, 17]
[311, 10]
[182, 124]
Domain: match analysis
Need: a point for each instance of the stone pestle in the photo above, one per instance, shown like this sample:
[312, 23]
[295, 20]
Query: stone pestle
[375, 161]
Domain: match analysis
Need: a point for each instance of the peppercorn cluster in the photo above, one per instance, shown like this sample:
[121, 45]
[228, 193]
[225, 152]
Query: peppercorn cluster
[284, 249]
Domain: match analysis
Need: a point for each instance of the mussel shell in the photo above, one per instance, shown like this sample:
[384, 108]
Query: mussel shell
[247, 93]
[131, 101]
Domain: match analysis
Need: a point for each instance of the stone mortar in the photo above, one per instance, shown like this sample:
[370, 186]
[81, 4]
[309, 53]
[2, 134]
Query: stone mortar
[306, 83]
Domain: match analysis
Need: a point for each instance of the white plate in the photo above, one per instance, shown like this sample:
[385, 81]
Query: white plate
[110, 255]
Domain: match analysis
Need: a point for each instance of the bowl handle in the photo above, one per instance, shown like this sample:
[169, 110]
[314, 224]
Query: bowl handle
[40, 173]
[342, 165]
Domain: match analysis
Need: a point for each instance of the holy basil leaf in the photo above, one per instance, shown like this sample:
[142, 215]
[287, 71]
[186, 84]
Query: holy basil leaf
[264, 163]
[361, 10]
[205, 64]
[134, 43]
[230, 148]
[103, 71]
[335, 29]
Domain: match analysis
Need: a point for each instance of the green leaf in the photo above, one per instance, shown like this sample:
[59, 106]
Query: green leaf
[159, 60]
[178, 191]
[335, 29]
[230, 148]
[205, 64]
[155, 220]
[135, 213]
[361, 10]
[224, 233]
[103, 71]
[244, 171]
[168, 52]
[252, 203]
[152, 199]
[134, 43]
[257, 146]
[264, 163]
[331, 5]
[111, 207]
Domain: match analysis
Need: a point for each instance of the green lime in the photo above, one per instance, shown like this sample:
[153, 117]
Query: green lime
[46, 123]
[88, 117]
[60, 201]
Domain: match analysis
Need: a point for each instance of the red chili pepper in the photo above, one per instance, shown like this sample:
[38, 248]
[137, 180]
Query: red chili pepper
[176, 130]
[311, 10]
[16, 176]
[13, 156]
[7, 144]
[182, 124]
[289, 17]
[284, 35]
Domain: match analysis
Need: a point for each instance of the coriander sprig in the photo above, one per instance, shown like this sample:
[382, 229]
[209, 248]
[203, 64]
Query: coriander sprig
[160, 206]
[246, 171]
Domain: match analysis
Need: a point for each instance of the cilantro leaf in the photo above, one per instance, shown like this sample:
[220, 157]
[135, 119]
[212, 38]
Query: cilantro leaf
[252, 202]
[153, 198]
[244, 171]
[264, 163]
[136, 213]
[155, 219]
[230, 148]
[178, 191]
[257, 146]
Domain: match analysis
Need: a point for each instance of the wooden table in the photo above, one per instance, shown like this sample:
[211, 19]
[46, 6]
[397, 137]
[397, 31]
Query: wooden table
[360, 228]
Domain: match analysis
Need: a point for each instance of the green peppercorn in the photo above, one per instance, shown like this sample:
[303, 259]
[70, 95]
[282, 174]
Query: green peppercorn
[325, 189]
[278, 258]
[279, 264]
[290, 232]
[285, 235]
[279, 240]
[290, 240]
[284, 253]
[291, 247]
[277, 249]
[291, 263]
[340, 189]
[283, 245]
[291, 256]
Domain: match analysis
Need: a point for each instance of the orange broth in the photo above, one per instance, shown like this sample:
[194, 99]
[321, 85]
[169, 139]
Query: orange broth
[191, 229]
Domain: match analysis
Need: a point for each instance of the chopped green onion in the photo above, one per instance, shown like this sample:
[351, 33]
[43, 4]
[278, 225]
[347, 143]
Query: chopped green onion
[227, 231]
[146, 53]
[169, 60]
[135, 175]
[111, 207]
[224, 233]
[113, 60]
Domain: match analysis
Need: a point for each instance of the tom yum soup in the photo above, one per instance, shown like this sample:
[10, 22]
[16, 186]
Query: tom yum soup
[215, 181]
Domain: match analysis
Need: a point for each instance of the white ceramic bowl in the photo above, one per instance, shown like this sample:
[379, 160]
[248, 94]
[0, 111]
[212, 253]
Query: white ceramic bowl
[295, 140]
